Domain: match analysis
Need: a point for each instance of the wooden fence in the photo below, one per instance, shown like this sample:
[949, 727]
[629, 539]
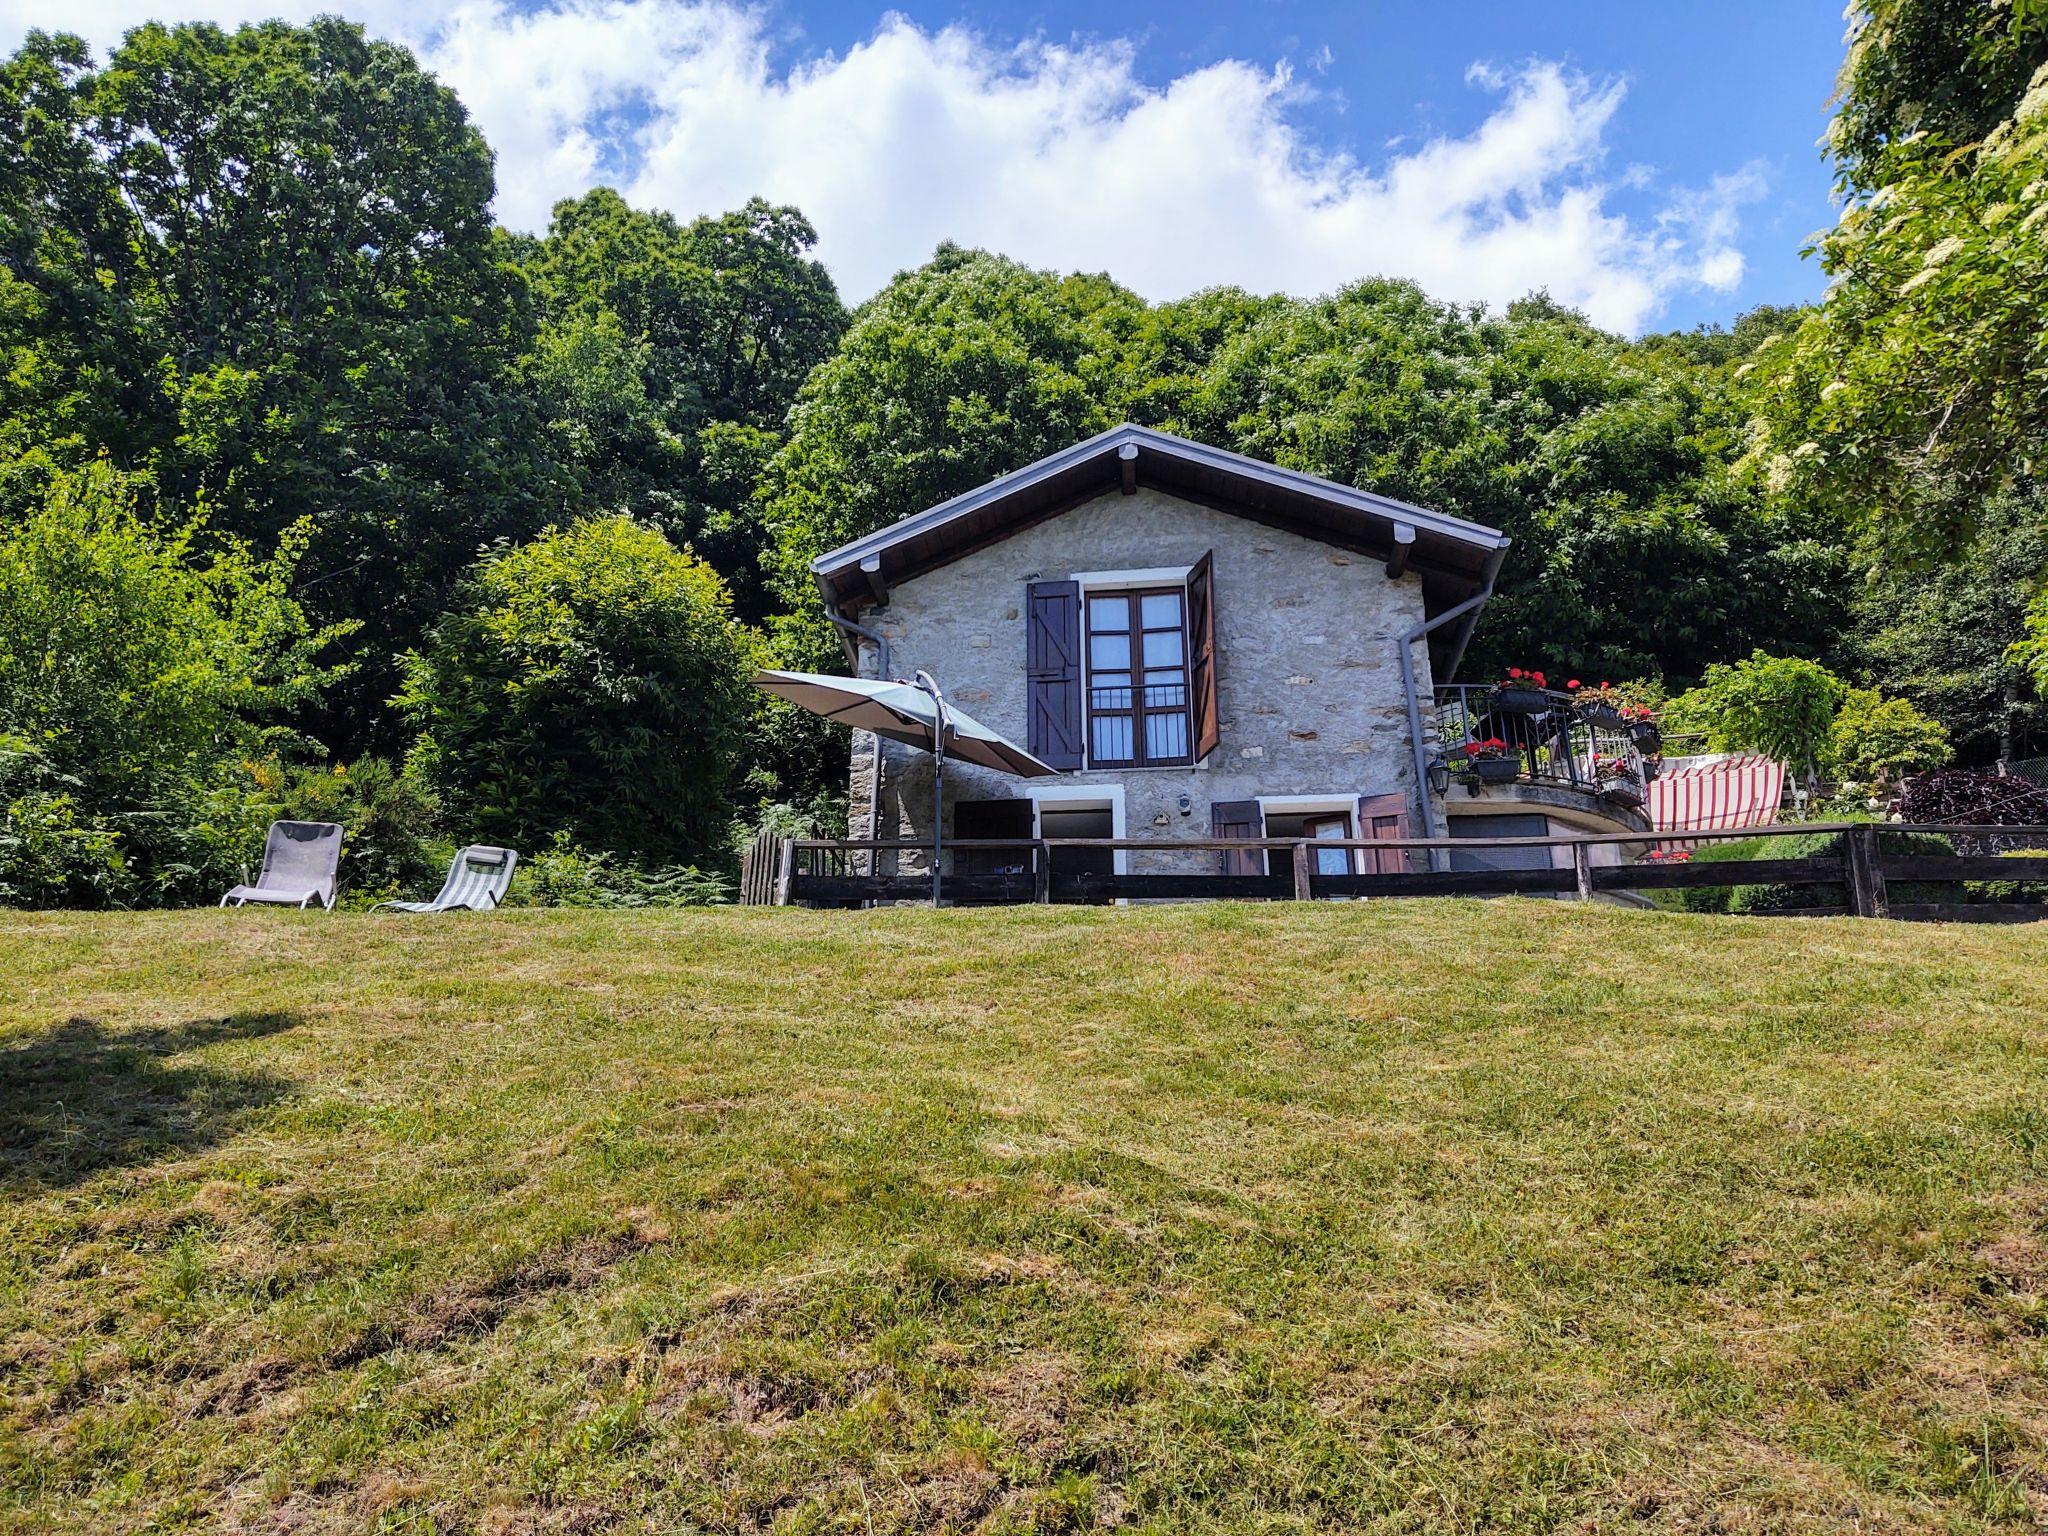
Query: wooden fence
[835, 872]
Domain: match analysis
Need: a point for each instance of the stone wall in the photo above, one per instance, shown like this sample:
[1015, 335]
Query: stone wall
[1309, 695]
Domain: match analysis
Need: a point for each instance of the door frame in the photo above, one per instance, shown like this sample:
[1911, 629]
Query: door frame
[1313, 805]
[1081, 797]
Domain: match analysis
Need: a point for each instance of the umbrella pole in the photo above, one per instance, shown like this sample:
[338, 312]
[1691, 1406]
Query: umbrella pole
[930, 685]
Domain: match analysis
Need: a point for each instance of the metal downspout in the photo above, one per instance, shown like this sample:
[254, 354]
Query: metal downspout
[1422, 631]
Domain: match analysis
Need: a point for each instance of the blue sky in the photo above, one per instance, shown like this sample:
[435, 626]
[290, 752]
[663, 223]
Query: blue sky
[1652, 162]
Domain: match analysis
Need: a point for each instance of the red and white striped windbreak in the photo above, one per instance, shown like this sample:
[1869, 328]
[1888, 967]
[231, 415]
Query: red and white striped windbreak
[1719, 791]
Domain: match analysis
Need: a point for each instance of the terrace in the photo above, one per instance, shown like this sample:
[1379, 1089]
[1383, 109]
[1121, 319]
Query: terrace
[1494, 738]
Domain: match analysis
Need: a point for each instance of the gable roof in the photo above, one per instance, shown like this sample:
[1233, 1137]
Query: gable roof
[1455, 559]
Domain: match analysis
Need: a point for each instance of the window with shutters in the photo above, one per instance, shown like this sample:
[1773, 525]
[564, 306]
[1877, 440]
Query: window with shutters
[1137, 657]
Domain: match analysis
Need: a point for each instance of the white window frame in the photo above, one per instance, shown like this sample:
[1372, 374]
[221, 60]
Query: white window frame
[1312, 805]
[1128, 581]
[1081, 797]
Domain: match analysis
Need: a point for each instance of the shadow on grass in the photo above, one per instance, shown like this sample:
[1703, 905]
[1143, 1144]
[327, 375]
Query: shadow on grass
[78, 1099]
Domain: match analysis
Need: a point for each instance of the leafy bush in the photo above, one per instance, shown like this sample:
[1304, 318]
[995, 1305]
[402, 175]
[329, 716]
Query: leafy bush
[1878, 740]
[563, 875]
[593, 682]
[138, 659]
[52, 853]
[387, 821]
[1781, 706]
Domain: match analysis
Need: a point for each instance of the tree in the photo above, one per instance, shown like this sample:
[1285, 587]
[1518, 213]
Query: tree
[1944, 636]
[136, 658]
[1876, 740]
[593, 682]
[668, 358]
[1913, 394]
[1781, 706]
[962, 370]
[271, 252]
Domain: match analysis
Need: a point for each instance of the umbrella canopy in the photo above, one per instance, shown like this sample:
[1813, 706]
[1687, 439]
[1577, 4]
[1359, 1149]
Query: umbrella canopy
[902, 712]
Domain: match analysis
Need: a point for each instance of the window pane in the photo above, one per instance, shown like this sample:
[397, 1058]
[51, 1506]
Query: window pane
[1162, 647]
[1107, 614]
[1170, 695]
[1333, 861]
[1111, 691]
[1111, 739]
[1161, 609]
[1166, 736]
[1112, 653]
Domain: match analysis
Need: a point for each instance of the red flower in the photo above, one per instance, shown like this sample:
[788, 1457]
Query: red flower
[1573, 683]
[1515, 672]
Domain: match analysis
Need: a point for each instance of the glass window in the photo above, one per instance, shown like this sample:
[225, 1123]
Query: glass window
[1137, 693]
[1112, 653]
[1109, 614]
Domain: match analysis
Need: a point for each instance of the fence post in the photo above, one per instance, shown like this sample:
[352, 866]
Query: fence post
[1302, 868]
[1041, 873]
[785, 866]
[1867, 896]
[1582, 870]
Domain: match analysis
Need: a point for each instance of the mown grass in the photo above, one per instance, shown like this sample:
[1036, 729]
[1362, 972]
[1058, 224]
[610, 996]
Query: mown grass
[1405, 1216]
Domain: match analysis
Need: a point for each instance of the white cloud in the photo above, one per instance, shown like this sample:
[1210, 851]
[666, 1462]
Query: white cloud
[1059, 155]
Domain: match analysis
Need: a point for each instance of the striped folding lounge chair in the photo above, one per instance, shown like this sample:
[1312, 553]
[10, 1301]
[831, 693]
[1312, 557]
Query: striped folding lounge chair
[300, 859]
[477, 882]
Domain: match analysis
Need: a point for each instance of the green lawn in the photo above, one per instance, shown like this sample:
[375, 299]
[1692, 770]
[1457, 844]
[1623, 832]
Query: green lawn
[1405, 1216]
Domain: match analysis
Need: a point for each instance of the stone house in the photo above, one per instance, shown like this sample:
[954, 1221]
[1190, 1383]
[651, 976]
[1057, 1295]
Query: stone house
[1205, 645]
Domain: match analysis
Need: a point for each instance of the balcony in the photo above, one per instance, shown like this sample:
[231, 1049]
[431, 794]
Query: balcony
[1549, 743]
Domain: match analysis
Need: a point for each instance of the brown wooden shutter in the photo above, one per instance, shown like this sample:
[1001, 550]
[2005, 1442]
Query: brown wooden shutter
[1202, 654]
[1235, 819]
[1383, 816]
[1052, 666]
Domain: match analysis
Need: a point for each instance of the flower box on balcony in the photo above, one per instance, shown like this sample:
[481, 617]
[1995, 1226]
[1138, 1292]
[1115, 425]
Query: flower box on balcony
[1495, 770]
[1648, 739]
[1600, 713]
[1622, 792]
[1521, 693]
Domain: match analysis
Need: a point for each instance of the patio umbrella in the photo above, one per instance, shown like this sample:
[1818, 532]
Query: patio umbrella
[916, 714]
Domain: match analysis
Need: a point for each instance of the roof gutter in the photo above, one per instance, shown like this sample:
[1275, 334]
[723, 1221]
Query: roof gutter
[1469, 612]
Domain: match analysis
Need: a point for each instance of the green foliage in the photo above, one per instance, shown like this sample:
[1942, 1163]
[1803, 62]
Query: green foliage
[136, 657]
[1781, 706]
[592, 682]
[669, 355]
[1803, 845]
[957, 372]
[1913, 393]
[387, 820]
[1945, 637]
[563, 875]
[1875, 740]
[1946, 70]
[262, 261]
[1638, 549]
[53, 852]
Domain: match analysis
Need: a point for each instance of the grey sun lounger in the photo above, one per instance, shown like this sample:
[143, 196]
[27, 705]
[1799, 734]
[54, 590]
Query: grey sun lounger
[477, 882]
[299, 863]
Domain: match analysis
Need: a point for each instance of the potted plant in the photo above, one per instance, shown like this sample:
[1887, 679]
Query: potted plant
[1640, 721]
[1521, 693]
[1492, 761]
[1617, 780]
[1599, 705]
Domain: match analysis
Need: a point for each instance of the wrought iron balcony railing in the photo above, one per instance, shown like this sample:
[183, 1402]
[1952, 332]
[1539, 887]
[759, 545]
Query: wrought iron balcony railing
[1556, 745]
